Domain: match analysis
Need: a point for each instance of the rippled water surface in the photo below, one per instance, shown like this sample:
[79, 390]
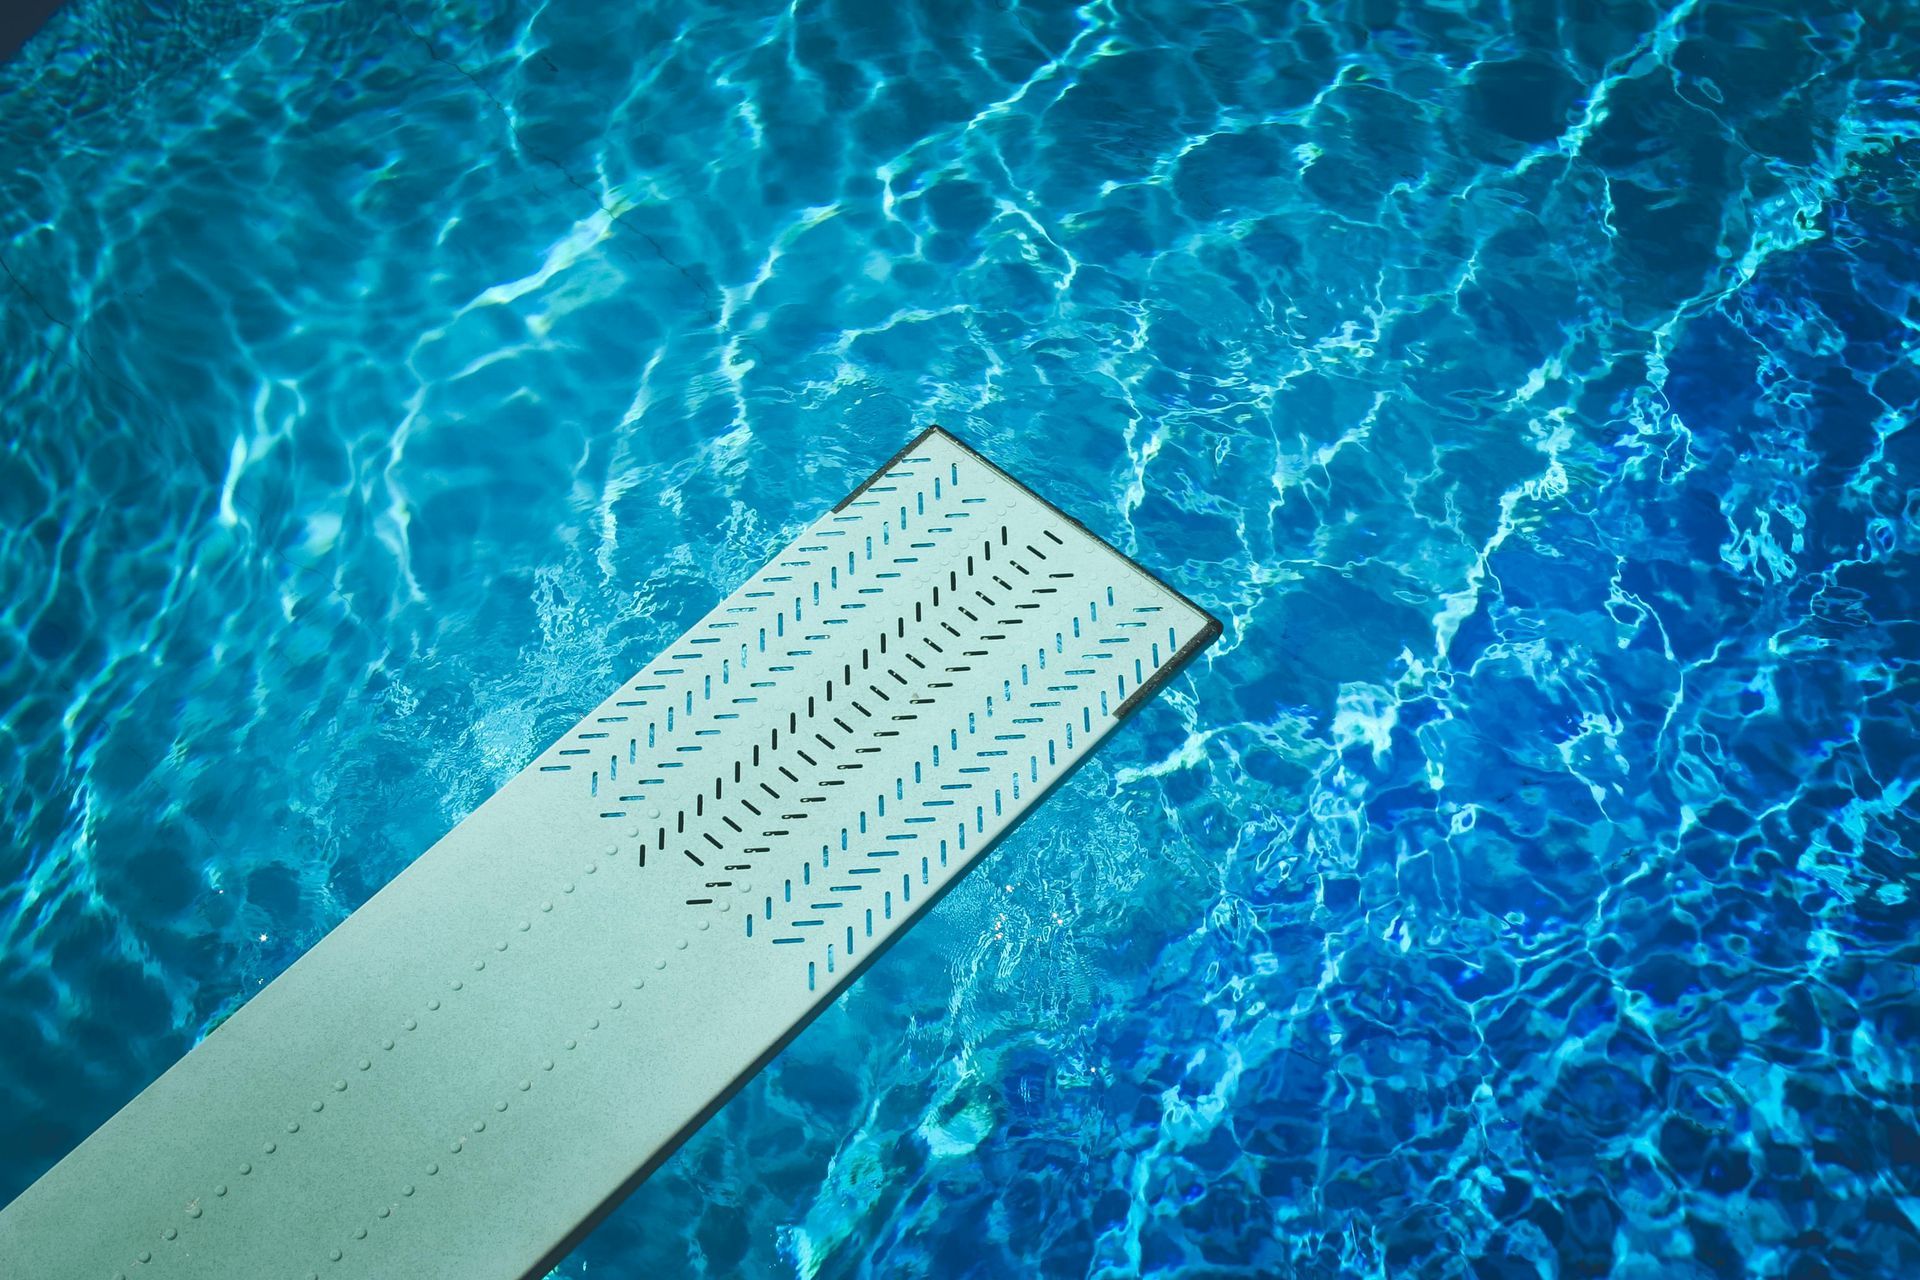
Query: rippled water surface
[1524, 885]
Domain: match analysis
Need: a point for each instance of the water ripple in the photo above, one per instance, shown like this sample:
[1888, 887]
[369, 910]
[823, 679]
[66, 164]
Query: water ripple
[1524, 884]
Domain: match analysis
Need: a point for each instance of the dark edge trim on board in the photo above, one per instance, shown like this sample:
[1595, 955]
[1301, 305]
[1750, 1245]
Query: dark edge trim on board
[572, 1240]
[1209, 632]
[1202, 638]
[885, 467]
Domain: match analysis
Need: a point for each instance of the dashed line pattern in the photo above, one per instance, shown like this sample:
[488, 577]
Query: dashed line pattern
[924, 635]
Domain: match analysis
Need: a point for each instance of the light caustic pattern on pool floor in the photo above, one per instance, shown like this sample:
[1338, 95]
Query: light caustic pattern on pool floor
[1523, 885]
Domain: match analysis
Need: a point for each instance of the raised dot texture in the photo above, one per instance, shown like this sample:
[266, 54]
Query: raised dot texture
[385, 1212]
[572, 1044]
[659, 964]
[361, 1234]
[567, 887]
[433, 1005]
[456, 984]
[245, 1169]
[479, 1126]
[525, 1085]
[319, 1106]
[525, 925]
[171, 1233]
[546, 906]
[366, 1064]
[411, 1024]
[432, 1169]
[478, 965]
[335, 1254]
[500, 946]
[681, 945]
[614, 1003]
[407, 1190]
[193, 1211]
[293, 1126]
[220, 1190]
[500, 1106]
[270, 1148]
[546, 1064]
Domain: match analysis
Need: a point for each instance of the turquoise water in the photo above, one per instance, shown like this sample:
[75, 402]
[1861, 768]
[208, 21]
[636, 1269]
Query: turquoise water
[1523, 886]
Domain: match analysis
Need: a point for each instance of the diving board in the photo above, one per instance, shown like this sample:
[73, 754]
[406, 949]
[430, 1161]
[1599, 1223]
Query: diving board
[473, 1067]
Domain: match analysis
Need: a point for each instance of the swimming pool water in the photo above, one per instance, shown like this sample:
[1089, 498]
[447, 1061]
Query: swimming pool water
[1524, 885]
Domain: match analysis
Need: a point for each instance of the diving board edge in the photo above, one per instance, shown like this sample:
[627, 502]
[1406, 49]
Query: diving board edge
[1211, 629]
[834, 990]
[554, 1163]
[1210, 632]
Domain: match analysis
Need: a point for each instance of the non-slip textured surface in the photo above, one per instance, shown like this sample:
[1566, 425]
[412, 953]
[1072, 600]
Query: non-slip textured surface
[1524, 884]
[524, 1021]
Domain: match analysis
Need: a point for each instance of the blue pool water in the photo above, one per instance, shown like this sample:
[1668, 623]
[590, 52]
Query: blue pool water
[1523, 887]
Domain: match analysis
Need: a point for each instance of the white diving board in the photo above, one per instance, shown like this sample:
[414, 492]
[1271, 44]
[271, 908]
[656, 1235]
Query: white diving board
[475, 1066]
